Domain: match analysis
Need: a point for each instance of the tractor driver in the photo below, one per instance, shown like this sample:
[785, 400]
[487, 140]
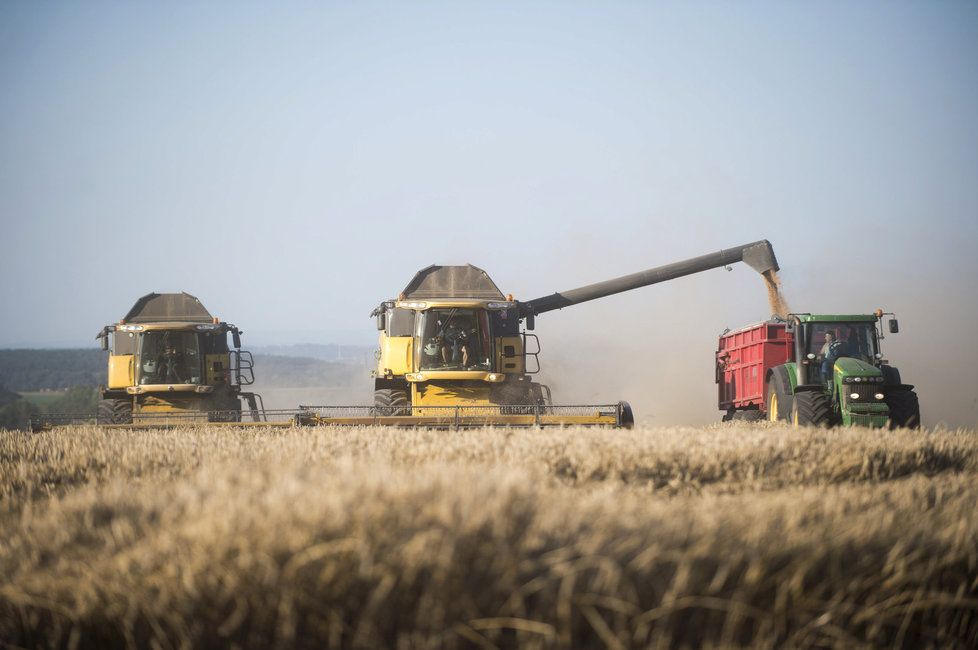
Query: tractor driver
[831, 350]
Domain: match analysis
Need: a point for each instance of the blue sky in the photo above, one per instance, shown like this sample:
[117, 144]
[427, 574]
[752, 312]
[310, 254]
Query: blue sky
[292, 164]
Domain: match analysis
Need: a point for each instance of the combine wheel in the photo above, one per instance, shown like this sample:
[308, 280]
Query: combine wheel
[627, 417]
[391, 401]
[114, 411]
[779, 397]
[228, 411]
[812, 409]
[904, 408]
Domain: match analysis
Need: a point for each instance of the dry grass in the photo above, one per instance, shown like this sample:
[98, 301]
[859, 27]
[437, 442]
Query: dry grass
[728, 536]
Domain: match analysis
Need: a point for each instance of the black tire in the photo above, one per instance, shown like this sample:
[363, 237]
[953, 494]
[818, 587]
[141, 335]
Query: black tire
[227, 411]
[627, 416]
[779, 394]
[114, 411]
[515, 397]
[747, 415]
[391, 401]
[891, 376]
[904, 408]
[812, 408]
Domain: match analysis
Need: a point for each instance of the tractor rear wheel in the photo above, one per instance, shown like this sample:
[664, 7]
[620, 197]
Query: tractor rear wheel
[812, 408]
[114, 411]
[904, 408]
[391, 401]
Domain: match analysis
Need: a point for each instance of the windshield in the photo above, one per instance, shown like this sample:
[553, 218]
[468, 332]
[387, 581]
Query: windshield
[833, 340]
[168, 358]
[454, 339]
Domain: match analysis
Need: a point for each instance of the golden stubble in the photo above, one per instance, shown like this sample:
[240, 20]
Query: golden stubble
[373, 537]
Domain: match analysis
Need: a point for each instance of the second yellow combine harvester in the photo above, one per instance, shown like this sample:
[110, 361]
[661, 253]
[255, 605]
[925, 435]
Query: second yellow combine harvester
[455, 351]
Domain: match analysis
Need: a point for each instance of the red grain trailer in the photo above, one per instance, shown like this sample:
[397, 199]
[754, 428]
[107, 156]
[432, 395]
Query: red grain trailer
[743, 359]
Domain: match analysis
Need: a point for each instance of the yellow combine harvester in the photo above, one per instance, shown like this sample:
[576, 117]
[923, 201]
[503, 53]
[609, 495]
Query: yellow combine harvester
[455, 351]
[169, 362]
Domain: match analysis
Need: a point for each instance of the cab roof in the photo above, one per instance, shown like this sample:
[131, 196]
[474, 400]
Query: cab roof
[452, 283]
[836, 318]
[168, 308]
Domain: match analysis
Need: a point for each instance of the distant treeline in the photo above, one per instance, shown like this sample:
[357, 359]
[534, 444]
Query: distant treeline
[34, 370]
[30, 370]
[16, 412]
[299, 372]
[352, 354]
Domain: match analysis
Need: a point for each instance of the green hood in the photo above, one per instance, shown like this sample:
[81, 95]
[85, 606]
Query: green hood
[849, 367]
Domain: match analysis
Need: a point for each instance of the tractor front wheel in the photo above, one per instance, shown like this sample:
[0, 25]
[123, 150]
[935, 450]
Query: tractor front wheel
[812, 409]
[904, 408]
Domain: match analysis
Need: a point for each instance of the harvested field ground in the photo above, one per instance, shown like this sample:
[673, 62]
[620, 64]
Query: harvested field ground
[733, 536]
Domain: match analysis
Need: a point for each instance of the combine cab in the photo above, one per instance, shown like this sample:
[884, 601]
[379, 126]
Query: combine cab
[818, 370]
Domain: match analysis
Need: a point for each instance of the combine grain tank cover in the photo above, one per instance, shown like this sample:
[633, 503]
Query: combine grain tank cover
[168, 308]
[452, 283]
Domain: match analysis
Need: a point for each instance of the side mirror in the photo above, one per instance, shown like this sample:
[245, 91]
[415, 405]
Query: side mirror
[382, 320]
[894, 326]
[530, 321]
[236, 338]
[789, 326]
[105, 341]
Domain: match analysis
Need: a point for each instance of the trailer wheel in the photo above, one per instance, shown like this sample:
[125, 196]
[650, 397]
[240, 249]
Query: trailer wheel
[391, 401]
[779, 398]
[114, 411]
[747, 415]
[812, 408]
[904, 408]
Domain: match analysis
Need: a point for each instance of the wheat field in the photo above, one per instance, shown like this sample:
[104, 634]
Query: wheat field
[727, 536]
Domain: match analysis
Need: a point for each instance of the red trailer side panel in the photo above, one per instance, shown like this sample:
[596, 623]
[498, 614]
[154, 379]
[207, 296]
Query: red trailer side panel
[743, 359]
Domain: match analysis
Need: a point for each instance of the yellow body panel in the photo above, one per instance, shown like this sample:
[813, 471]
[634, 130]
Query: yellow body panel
[509, 363]
[215, 365]
[173, 403]
[396, 355]
[432, 394]
[121, 371]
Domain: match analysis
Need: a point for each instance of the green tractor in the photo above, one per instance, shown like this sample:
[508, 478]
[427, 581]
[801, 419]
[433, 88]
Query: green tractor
[836, 374]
